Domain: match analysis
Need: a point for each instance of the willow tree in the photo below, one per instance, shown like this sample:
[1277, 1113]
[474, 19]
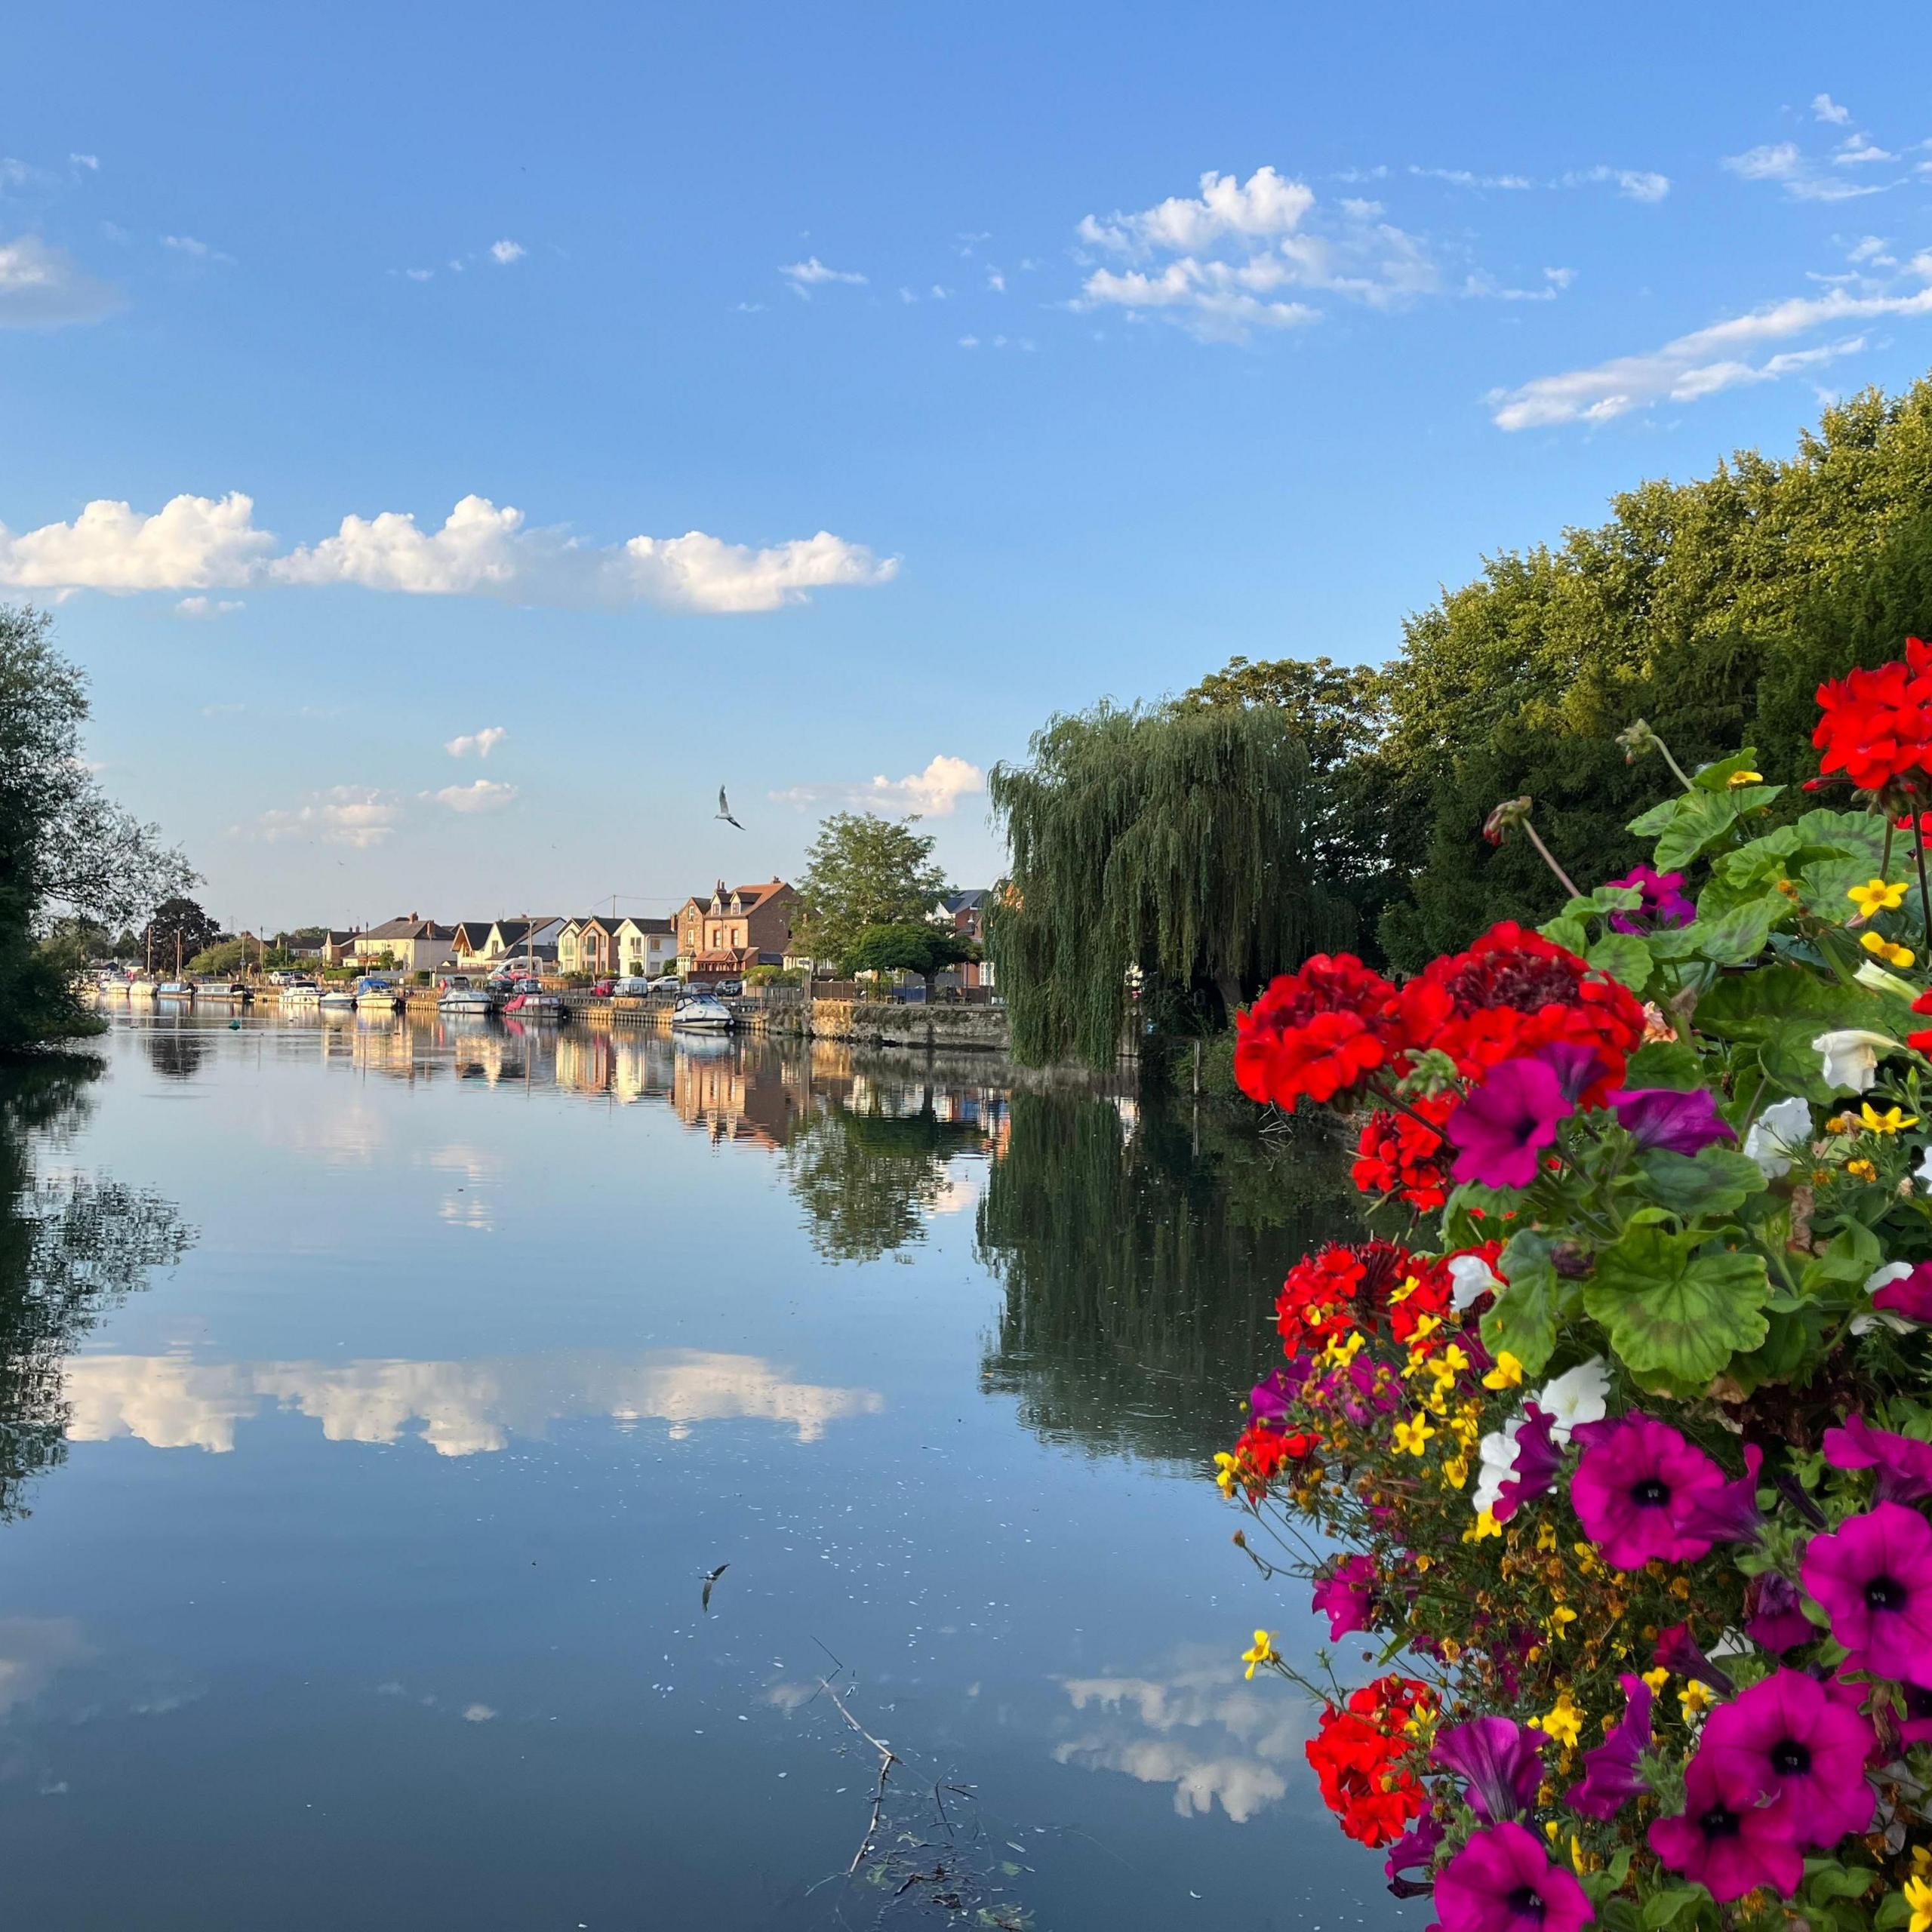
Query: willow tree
[1169, 844]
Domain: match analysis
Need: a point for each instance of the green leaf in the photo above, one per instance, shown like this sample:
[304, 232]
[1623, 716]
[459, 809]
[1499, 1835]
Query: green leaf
[1826, 1878]
[1665, 1064]
[1791, 1062]
[1523, 1319]
[1716, 776]
[1623, 956]
[1670, 1311]
[1566, 931]
[1755, 1005]
[1660, 1909]
[1847, 1262]
[1732, 937]
[1714, 1180]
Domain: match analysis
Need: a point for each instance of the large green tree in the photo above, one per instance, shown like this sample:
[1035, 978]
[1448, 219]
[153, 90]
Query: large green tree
[67, 852]
[863, 870]
[1174, 846]
[916, 945]
[180, 925]
[1711, 607]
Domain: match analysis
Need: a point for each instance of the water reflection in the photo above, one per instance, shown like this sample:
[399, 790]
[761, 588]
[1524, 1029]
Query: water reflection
[467, 1408]
[71, 1247]
[1136, 1247]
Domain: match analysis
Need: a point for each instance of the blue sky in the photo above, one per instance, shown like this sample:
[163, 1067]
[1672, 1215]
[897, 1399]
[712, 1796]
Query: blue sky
[1001, 358]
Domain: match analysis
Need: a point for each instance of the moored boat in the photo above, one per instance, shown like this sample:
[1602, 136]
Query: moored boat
[460, 996]
[376, 995]
[174, 990]
[337, 999]
[699, 1012]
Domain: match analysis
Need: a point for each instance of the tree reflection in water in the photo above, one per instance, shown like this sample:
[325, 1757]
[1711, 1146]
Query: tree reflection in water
[71, 1248]
[867, 1178]
[175, 1052]
[1141, 1260]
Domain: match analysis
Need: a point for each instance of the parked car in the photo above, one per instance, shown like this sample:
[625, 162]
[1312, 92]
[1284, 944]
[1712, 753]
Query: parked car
[630, 989]
[603, 989]
[729, 989]
[667, 983]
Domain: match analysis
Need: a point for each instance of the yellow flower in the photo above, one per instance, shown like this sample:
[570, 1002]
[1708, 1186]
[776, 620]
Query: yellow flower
[1456, 1471]
[1876, 896]
[1559, 1619]
[1919, 1895]
[1694, 1699]
[1890, 1121]
[1564, 1721]
[1409, 1284]
[1263, 1652]
[1426, 1325]
[1656, 1679]
[1227, 1472]
[1453, 1362]
[1877, 944]
[1508, 1373]
[1341, 1350]
[1861, 1170]
[1739, 779]
[1413, 1436]
[1545, 1536]
[1486, 1525]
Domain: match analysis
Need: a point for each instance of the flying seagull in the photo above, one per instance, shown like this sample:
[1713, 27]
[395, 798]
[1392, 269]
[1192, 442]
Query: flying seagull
[712, 1576]
[724, 809]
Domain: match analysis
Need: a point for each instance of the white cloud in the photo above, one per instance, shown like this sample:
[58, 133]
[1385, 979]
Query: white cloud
[1703, 362]
[485, 796]
[807, 275]
[506, 251]
[482, 743]
[934, 792]
[1798, 175]
[91, 162]
[190, 543]
[1261, 209]
[355, 815]
[205, 543]
[477, 1714]
[1858, 151]
[1555, 280]
[420, 275]
[1461, 177]
[206, 606]
[996, 281]
[1824, 108]
[195, 249]
[1635, 184]
[43, 286]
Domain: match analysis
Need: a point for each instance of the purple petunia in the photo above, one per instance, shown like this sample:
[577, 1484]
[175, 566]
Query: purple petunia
[1664, 903]
[1910, 1297]
[1662, 1117]
[1501, 1880]
[1501, 1129]
[1904, 1464]
[1635, 1488]
[1414, 1851]
[1498, 1762]
[1730, 1514]
[1679, 1652]
[1611, 1779]
[1775, 1613]
[1534, 1471]
[1873, 1575]
[1725, 1838]
[1786, 1739]
[1346, 1596]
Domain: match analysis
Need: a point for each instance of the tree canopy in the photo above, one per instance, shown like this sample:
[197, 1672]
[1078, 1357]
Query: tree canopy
[66, 850]
[1172, 841]
[915, 945]
[863, 870]
[179, 918]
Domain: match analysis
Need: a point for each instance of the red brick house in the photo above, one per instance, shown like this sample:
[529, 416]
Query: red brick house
[737, 928]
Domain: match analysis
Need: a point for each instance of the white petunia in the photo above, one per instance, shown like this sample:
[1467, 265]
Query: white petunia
[1849, 1055]
[1470, 1274]
[1783, 1127]
[1879, 1278]
[1497, 1450]
[1579, 1395]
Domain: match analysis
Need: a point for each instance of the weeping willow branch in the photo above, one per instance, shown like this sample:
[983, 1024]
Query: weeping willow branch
[1187, 845]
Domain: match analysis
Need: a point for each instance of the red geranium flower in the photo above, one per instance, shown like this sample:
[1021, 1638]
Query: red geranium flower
[1877, 724]
[1369, 1285]
[1314, 1033]
[1357, 1757]
[1397, 1155]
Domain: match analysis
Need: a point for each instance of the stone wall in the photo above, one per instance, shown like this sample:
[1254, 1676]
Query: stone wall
[880, 1022]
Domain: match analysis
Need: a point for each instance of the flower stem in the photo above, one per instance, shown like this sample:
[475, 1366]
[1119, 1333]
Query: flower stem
[1924, 894]
[1550, 858]
[1672, 763]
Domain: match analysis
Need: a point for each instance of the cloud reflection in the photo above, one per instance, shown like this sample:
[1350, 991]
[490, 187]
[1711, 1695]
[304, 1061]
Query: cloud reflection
[1213, 1737]
[465, 1408]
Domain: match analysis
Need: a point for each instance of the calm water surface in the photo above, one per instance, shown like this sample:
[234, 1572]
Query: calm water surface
[374, 1398]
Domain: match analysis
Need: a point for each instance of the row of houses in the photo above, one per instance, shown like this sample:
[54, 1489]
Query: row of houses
[719, 937]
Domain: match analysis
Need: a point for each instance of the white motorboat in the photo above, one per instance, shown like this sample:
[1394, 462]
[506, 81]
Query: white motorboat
[536, 1005]
[337, 999]
[459, 996]
[303, 993]
[175, 989]
[699, 1012]
[375, 995]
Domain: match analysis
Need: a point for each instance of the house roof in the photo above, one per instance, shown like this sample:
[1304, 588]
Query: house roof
[751, 896]
[411, 927]
[967, 901]
[650, 925]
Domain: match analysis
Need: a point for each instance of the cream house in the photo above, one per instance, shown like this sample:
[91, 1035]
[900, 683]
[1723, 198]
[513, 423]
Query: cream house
[414, 945]
[624, 948]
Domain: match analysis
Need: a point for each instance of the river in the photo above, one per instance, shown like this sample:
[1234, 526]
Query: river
[375, 1399]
